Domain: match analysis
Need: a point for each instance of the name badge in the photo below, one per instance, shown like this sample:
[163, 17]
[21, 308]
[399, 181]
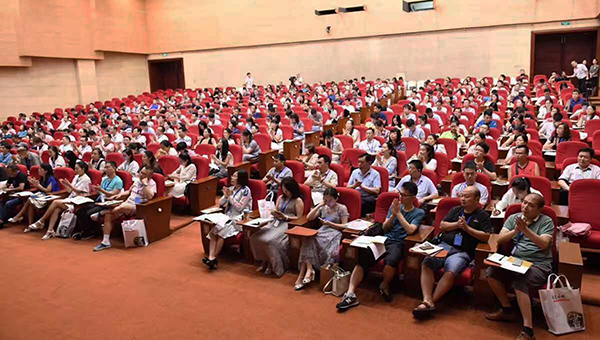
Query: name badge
[138, 200]
[458, 240]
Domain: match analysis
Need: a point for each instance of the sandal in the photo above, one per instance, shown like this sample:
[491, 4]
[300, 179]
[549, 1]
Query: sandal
[308, 279]
[15, 219]
[420, 313]
[37, 225]
[49, 234]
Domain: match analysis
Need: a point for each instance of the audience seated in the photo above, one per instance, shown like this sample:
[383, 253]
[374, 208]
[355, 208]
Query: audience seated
[321, 179]
[470, 174]
[367, 181]
[483, 164]
[533, 235]
[323, 247]
[520, 188]
[370, 145]
[426, 189]
[17, 181]
[583, 169]
[386, 158]
[235, 202]
[427, 156]
[403, 219]
[185, 173]
[46, 184]
[462, 229]
[142, 190]
[277, 173]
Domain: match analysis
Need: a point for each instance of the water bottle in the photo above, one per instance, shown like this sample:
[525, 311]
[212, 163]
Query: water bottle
[246, 213]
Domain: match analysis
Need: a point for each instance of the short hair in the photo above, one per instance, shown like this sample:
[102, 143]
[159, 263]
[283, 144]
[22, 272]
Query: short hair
[12, 167]
[470, 165]
[325, 159]
[588, 150]
[484, 146]
[331, 192]
[540, 200]
[112, 163]
[410, 187]
[280, 157]
[371, 129]
[523, 147]
[417, 163]
[368, 157]
[522, 183]
[410, 122]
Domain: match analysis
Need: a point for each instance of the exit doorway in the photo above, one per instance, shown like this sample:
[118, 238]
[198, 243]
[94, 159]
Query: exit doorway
[166, 74]
[553, 51]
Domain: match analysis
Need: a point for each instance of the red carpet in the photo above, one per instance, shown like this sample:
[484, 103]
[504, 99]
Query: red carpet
[60, 289]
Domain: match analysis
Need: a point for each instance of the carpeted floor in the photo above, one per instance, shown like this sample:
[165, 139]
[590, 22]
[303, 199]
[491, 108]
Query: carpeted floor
[60, 289]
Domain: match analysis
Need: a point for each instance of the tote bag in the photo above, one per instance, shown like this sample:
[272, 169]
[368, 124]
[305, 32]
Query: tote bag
[134, 233]
[562, 306]
[266, 206]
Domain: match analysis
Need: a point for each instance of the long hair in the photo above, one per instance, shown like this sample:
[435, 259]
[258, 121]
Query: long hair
[222, 153]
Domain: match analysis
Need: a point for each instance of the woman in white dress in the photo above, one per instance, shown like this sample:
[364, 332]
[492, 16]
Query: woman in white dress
[98, 162]
[433, 141]
[235, 200]
[386, 158]
[425, 155]
[55, 160]
[270, 244]
[322, 248]
[276, 135]
[78, 187]
[185, 174]
[129, 165]
[352, 132]
[334, 145]
[222, 159]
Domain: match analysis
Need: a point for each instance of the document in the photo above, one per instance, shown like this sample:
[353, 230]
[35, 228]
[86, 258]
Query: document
[258, 221]
[109, 203]
[426, 248]
[46, 198]
[169, 183]
[508, 263]
[550, 152]
[216, 218]
[498, 216]
[211, 210]
[79, 200]
[23, 194]
[359, 225]
[375, 243]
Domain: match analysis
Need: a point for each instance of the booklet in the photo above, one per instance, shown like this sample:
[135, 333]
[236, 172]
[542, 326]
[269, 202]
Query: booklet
[426, 248]
[216, 218]
[359, 225]
[211, 210]
[510, 263]
[375, 243]
[79, 200]
[258, 221]
[109, 203]
[23, 194]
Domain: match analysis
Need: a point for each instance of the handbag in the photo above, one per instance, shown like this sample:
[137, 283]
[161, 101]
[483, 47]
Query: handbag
[577, 229]
[266, 206]
[562, 306]
[134, 233]
[66, 224]
[338, 283]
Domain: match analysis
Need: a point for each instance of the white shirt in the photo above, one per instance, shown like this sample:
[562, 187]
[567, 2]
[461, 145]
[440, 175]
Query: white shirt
[580, 71]
[141, 139]
[64, 148]
[187, 140]
[371, 147]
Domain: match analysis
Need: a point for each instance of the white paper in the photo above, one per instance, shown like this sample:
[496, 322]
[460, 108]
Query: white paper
[365, 241]
[78, 200]
[518, 269]
[47, 198]
[169, 183]
[497, 258]
[501, 215]
[109, 203]
[434, 250]
[359, 225]
[211, 210]
[378, 249]
[500, 182]
[216, 218]
[258, 221]
[23, 194]
[550, 152]
[583, 135]
[435, 201]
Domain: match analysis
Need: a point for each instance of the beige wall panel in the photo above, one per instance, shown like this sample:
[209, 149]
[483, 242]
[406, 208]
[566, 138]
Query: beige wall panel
[47, 84]
[121, 26]
[181, 25]
[120, 74]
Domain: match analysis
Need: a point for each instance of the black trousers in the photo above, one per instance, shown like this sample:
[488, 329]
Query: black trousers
[84, 223]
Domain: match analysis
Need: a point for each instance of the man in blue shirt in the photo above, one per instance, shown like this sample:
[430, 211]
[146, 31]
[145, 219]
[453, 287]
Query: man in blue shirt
[88, 215]
[487, 119]
[427, 190]
[367, 181]
[403, 219]
[575, 100]
[5, 155]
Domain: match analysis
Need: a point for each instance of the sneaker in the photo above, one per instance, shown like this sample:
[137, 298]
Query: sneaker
[102, 246]
[347, 302]
[385, 295]
[500, 315]
[525, 336]
[77, 236]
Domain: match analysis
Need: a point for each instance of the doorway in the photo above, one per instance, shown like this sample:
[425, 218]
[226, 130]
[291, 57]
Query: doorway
[553, 51]
[166, 74]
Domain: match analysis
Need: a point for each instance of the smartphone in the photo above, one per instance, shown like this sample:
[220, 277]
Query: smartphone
[426, 247]
[517, 262]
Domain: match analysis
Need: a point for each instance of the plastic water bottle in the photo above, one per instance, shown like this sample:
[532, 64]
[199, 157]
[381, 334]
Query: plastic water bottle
[246, 213]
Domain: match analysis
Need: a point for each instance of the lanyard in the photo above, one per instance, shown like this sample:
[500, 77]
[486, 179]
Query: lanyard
[285, 206]
[468, 219]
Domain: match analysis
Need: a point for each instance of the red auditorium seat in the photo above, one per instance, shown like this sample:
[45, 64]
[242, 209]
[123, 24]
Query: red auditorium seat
[566, 150]
[126, 178]
[169, 163]
[297, 170]
[351, 199]
[117, 157]
[581, 194]
[385, 178]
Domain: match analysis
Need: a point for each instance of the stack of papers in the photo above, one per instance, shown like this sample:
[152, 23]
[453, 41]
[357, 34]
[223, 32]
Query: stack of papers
[435, 201]
[211, 210]
[550, 152]
[375, 243]
[508, 263]
[79, 200]
[426, 248]
[500, 182]
[47, 198]
[23, 194]
[216, 218]
[258, 221]
[169, 183]
[109, 203]
[359, 225]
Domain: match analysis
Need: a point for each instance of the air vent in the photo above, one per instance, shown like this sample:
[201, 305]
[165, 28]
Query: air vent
[352, 9]
[325, 11]
[417, 6]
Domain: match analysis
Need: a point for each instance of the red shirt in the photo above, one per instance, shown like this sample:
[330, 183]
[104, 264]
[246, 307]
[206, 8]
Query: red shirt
[528, 170]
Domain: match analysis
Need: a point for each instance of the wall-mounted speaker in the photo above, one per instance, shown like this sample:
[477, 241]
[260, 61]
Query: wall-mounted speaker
[352, 9]
[325, 11]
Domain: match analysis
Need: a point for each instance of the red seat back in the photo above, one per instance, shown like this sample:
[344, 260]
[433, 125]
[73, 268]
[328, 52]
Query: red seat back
[351, 199]
[321, 150]
[339, 170]
[45, 156]
[153, 147]
[66, 173]
[237, 152]
[169, 163]
[87, 157]
[126, 178]
[482, 179]
[581, 194]
[138, 158]
[34, 172]
[264, 141]
[297, 170]
[573, 160]
[23, 169]
[591, 126]
[306, 198]
[95, 176]
[206, 149]
[442, 210]
[160, 184]
[349, 159]
[202, 167]
[385, 178]
[384, 201]
[401, 161]
[117, 157]
[258, 189]
[541, 184]
[347, 141]
[568, 149]
[443, 165]
[412, 146]
[536, 148]
[596, 140]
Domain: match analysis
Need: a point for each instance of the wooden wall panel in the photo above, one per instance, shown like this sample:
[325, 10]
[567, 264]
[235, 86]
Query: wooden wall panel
[119, 75]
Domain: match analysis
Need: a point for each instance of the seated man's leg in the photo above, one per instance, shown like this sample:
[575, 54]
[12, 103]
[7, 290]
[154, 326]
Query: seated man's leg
[453, 266]
[534, 278]
[365, 261]
[11, 207]
[126, 209]
[391, 261]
